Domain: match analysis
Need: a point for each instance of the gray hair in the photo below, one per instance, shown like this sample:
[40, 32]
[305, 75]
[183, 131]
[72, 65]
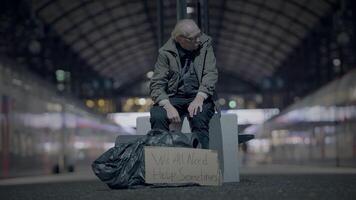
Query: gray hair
[184, 27]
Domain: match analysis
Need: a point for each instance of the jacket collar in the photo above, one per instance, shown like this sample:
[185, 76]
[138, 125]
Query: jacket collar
[170, 45]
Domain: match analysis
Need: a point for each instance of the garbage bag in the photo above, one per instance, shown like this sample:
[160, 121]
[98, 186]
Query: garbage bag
[122, 166]
[165, 138]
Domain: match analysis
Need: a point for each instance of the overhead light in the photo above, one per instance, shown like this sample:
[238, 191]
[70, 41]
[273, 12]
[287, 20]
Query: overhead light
[336, 62]
[149, 74]
[222, 101]
[101, 102]
[90, 103]
[190, 10]
[232, 104]
[60, 75]
[130, 102]
[142, 101]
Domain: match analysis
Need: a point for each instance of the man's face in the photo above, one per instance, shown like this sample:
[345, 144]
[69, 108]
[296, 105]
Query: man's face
[190, 42]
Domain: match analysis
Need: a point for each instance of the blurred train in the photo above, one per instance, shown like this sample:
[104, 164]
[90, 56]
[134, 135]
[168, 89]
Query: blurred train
[42, 132]
[318, 130]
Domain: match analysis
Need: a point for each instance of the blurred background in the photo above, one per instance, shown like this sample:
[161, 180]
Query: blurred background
[74, 75]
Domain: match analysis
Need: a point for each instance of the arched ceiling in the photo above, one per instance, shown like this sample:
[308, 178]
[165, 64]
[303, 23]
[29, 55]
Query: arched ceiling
[118, 38]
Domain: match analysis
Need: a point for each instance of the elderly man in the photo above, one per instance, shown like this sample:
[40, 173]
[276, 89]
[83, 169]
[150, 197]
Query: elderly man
[184, 81]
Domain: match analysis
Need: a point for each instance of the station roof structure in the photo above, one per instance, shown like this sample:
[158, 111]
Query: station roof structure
[118, 39]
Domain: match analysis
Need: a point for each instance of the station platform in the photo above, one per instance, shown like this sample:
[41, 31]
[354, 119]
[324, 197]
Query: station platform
[257, 182]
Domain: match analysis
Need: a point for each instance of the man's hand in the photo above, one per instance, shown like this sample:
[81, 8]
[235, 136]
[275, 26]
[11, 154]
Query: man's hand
[172, 113]
[196, 105]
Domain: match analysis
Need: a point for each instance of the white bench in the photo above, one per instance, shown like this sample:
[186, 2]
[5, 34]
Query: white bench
[223, 137]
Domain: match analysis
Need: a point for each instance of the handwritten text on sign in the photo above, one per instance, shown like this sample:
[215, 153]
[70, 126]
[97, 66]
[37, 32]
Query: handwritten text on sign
[181, 165]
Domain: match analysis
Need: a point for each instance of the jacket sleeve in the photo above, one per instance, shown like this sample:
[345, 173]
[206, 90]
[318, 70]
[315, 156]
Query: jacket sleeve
[210, 72]
[159, 80]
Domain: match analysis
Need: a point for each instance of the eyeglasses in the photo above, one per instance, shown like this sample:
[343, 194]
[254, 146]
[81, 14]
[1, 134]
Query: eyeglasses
[193, 39]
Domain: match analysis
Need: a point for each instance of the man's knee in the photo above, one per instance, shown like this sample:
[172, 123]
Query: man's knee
[158, 113]
[202, 119]
[199, 123]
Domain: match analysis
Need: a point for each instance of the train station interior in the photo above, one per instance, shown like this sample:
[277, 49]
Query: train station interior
[75, 77]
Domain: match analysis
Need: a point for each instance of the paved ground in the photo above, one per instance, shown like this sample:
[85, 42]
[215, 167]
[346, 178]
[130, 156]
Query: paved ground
[299, 185]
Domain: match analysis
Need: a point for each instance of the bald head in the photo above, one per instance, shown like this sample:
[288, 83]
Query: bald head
[186, 27]
[187, 34]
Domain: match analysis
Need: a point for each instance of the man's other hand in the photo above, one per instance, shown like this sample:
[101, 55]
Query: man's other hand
[196, 105]
[172, 113]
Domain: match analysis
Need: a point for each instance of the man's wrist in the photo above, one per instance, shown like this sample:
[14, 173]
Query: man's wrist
[203, 94]
[164, 102]
[167, 106]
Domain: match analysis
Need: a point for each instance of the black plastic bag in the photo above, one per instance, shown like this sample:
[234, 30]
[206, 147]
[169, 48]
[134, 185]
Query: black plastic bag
[122, 166]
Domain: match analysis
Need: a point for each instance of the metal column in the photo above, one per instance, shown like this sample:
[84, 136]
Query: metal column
[203, 15]
[181, 9]
[160, 23]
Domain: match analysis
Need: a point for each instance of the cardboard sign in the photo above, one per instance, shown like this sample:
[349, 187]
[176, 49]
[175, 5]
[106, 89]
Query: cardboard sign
[181, 165]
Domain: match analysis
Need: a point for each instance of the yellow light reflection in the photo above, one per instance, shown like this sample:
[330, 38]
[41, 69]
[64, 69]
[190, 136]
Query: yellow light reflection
[101, 102]
[90, 103]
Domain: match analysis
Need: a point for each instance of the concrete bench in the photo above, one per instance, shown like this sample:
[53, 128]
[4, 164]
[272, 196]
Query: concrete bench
[223, 136]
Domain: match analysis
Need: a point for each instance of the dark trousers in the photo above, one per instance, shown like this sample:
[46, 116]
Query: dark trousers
[199, 123]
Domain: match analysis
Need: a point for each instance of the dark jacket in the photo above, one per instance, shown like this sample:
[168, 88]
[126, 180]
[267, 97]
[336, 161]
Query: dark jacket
[164, 82]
